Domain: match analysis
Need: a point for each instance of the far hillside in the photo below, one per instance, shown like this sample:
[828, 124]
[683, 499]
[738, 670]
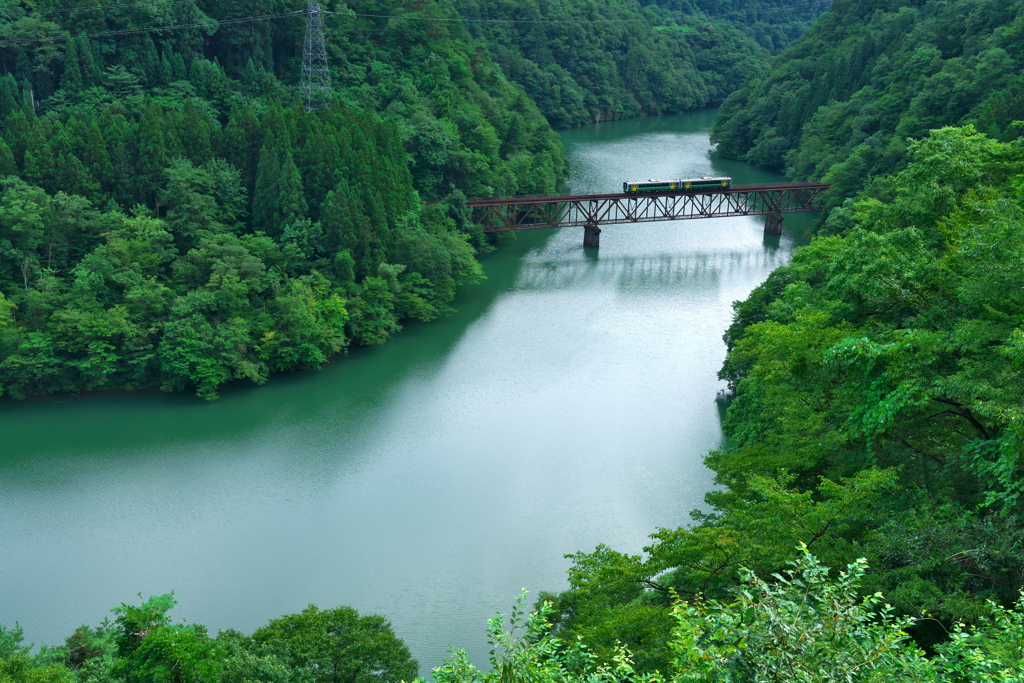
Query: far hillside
[583, 62]
[841, 102]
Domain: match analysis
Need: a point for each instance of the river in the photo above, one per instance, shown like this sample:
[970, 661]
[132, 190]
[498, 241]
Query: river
[567, 403]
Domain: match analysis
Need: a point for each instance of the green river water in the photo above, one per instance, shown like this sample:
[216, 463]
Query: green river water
[567, 403]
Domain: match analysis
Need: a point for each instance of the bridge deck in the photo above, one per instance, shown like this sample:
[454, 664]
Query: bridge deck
[557, 199]
[593, 210]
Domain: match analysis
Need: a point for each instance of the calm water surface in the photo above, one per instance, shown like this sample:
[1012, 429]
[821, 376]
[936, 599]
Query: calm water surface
[568, 403]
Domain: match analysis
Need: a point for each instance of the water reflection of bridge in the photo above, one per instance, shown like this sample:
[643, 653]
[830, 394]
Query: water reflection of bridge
[592, 211]
[662, 271]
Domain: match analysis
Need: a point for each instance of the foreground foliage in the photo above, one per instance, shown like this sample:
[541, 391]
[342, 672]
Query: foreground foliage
[800, 625]
[142, 645]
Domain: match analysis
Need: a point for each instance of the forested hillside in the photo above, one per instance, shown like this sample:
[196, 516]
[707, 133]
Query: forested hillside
[877, 414]
[170, 214]
[876, 381]
[840, 102]
[586, 62]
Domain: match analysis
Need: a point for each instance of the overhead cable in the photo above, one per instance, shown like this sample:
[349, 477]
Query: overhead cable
[168, 27]
[268, 17]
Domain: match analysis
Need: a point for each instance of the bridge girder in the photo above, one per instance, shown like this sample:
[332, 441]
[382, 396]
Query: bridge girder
[532, 213]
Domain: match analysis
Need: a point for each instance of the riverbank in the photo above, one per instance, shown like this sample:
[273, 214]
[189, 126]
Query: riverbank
[568, 402]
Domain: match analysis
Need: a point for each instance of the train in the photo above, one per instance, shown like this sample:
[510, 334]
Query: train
[705, 183]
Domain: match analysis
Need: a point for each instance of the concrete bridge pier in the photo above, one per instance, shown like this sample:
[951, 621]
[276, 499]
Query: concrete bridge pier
[773, 224]
[591, 235]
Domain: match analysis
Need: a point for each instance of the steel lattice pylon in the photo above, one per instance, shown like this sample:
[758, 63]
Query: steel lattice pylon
[316, 81]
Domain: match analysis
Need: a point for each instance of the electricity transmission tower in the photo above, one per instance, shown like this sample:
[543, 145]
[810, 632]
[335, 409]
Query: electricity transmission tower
[316, 81]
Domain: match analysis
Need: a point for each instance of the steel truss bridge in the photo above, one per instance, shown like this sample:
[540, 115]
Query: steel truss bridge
[594, 210]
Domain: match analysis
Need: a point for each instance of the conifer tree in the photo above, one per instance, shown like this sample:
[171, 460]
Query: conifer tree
[60, 140]
[28, 101]
[174, 137]
[74, 178]
[346, 226]
[91, 148]
[265, 196]
[379, 239]
[291, 204]
[151, 62]
[87, 62]
[8, 96]
[7, 165]
[178, 70]
[17, 132]
[251, 77]
[124, 185]
[195, 135]
[71, 80]
[241, 143]
[153, 152]
[39, 162]
[199, 74]
[23, 67]
[166, 70]
[322, 168]
[273, 122]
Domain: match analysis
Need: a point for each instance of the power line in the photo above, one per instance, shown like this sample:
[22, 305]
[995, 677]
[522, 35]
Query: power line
[143, 3]
[483, 21]
[122, 5]
[169, 27]
[268, 17]
[778, 8]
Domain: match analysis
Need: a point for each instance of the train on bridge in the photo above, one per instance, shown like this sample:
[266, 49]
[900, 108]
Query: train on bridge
[705, 183]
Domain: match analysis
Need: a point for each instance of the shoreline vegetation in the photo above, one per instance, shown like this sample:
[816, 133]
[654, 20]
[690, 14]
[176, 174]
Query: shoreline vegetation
[869, 518]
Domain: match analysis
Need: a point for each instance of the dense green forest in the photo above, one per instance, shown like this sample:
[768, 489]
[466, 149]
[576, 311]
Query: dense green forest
[877, 414]
[170, 215]
[584, 62]
[840, 103]
[875, 382]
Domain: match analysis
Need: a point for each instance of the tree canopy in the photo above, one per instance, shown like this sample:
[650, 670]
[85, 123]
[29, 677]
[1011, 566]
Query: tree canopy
[841, 101]
[173, 217]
